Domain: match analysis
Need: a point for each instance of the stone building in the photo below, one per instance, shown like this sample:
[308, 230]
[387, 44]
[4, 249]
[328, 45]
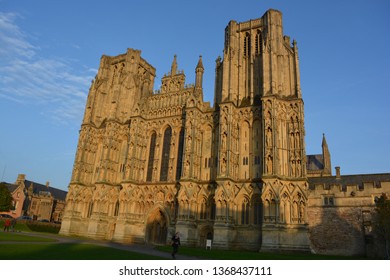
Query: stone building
[151, 163]
[38, 201]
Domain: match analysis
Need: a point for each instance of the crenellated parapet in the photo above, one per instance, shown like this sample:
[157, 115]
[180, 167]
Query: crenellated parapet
[347, 189]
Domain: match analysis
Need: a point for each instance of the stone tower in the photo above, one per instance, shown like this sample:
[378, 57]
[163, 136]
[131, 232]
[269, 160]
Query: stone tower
[152, 163]
[261, 126]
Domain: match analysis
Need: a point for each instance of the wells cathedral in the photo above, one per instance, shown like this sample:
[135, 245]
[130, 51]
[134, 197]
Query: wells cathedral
[152, 163]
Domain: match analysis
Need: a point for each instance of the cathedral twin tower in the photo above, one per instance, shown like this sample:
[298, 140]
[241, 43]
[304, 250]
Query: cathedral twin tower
[149, 164]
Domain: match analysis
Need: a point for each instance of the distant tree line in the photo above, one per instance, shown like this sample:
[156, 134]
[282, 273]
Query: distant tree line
[5, 198]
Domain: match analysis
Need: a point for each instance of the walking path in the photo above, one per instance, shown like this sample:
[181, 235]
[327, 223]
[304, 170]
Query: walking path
[138, 248]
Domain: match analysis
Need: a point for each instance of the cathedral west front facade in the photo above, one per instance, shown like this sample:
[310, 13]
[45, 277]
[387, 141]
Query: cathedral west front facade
[151, 163]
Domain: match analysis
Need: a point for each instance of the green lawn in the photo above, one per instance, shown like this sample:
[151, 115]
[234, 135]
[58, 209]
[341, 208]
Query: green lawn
[48, 248]
[41, 248]
[18, 227]
[33, 226]
[15, 237]
[67, 251]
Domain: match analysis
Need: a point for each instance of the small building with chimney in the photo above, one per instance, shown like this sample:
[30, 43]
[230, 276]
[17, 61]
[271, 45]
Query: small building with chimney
[38, 201]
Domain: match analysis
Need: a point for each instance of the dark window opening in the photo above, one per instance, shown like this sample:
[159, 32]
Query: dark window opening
[165, 154]
[151, 157]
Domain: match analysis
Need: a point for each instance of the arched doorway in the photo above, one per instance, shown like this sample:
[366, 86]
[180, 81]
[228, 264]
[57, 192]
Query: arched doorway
[206, 233]
[156, 228]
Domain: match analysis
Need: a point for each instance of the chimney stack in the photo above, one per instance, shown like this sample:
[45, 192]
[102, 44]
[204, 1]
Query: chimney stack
[337, 172]
[21, 178]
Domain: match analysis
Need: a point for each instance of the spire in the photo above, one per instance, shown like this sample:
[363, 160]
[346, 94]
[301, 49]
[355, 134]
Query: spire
[200, 65]
[199, 73]
[326, 156]
[174, 66]
[324, 144]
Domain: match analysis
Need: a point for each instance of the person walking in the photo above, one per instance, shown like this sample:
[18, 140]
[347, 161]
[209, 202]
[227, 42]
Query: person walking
[7, 224]
[175, 244]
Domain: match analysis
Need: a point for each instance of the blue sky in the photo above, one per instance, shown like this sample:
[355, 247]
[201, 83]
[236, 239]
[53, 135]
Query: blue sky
[50, 51]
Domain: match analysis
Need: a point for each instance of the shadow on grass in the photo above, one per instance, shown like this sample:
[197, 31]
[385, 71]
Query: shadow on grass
[216, 254]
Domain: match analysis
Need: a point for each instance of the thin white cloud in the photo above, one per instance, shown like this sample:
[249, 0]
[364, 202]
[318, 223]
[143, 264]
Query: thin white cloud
[29, 77]
[12, 39]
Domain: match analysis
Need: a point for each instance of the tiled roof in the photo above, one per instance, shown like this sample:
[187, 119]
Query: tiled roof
[56, 193]
[11, 187]
[314, 162]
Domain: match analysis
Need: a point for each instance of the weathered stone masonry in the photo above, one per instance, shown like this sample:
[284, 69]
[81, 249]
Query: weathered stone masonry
[150, 163]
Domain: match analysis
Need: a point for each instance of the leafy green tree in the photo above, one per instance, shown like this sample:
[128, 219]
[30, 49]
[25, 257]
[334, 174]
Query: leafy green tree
[382, 221]
[5, 198]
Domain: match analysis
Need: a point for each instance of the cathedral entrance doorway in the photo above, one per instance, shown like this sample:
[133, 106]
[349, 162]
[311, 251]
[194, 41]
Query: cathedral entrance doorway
[156, 228]
[206, 233]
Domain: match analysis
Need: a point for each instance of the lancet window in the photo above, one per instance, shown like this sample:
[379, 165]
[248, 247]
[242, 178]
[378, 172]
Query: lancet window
[247, 44]
[180, 155]
[165, 154]
[258, 42]
[116, 210]
[151, 157]
[245, 212]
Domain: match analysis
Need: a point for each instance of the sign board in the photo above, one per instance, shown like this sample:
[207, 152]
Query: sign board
[208, 244]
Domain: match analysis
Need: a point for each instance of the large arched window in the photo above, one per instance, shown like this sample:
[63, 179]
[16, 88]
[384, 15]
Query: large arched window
[180, 154]
[152, 147]
[165, 154]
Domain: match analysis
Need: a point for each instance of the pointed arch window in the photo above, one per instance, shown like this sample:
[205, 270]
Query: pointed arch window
[247, 44]
[257, 211]
[165, 154]
[258, 42]
[151, 157]
[180, 154]
[226, 38]
[116, 210]
[90, 209]
[213, 210]
[203, 210]
[245, 212]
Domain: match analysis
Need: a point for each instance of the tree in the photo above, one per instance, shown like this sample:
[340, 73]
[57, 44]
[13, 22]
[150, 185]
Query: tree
[5, 198]
[382, 221]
